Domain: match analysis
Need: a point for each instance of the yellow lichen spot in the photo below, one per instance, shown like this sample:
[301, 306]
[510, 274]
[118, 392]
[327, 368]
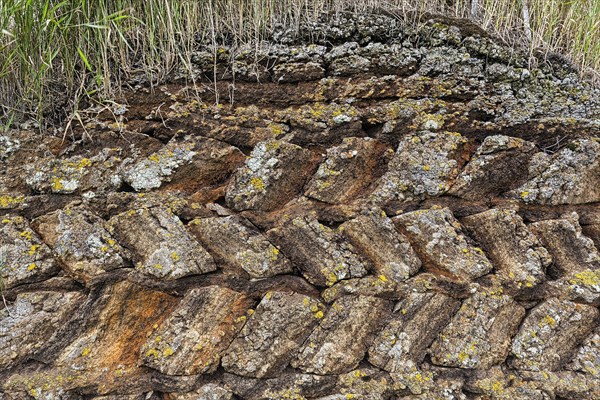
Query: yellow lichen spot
[240, 319]
[31, 266]
[57, 184]
[274, 253]
[383, 278]
[154, 157]
[10, 201]
[529, 284]
[314, 308]
[462, 356]
[524, 194]
[86, 352]
[497, 387]
[306, 301]
[111, 242]
[152, 352]
[269, 295]
[404, 311]
[85, 162]
[276, 129]
[587, 278]
[426, 167]
[174, 256]
[258, 183]
[104, 248]
[158, 266]
[349, 396]
[548, 320]
[250, 311]
[26, 234]
[33, 249]
[331, 279]
[272, 146]
[168, 352]
[319, 314]
[155, 326]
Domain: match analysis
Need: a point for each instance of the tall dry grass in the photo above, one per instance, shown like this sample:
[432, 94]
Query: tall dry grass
[52, 50]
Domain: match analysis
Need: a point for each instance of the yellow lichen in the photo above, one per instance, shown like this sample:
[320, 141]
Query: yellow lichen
[174, 256]
[57, 184]
[274, 254]
[85, 352]
[10, 201]
[31, 266]
[168, 352]
[33, 249]
[258, 183]
[586, 278]
[319, 314]
[152, 352]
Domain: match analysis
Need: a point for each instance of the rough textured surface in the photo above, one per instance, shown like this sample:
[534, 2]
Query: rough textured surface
[274, 173]
[192, 339]
[424, 166]
[165, 248]
[24, 258]
[371, 211]
[274, 332]
[340, 341]
[388, 250]
[322, 255]
[81, 242]
[517, 254]
[438, 236]
[233, 241]
[570, 249]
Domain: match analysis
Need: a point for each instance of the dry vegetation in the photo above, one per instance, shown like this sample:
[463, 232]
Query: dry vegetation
[84, 49]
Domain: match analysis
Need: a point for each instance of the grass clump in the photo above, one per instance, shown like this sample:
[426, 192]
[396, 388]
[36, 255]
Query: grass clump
[55, 54]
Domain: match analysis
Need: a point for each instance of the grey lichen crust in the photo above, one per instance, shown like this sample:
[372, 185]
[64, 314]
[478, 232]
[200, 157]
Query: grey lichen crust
[193, 338]
[31, 322]
[388, 250]
[233, 242]
[322, 255]
[468, 341]
[280, 323]
[273, 175]
[571, 176]
[165, 249]
[81, 242]
[24, 257]
[150, 173]
[438, 236]
[424, 166]
[519, 257]
[550, 333]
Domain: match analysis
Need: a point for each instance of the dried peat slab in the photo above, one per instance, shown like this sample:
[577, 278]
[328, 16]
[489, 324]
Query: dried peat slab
[442, 245]
[192, 339]
[234, 242]
[322, 255]
[390, 252]
[162, 247]
[82, 242]
[272, 335]
[274, 174]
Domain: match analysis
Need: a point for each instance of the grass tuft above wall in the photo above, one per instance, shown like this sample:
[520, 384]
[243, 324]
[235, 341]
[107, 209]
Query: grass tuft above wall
[54, 54]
